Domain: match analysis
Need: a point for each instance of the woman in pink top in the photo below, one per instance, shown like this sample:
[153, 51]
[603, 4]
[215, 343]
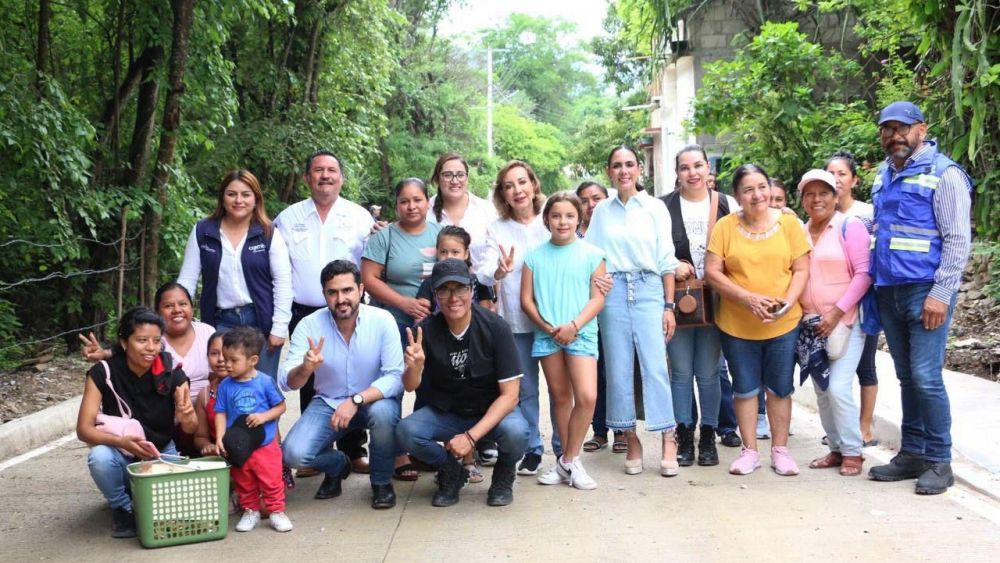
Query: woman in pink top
[838, 278]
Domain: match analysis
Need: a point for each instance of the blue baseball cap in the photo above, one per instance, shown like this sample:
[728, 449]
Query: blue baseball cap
[903, 112]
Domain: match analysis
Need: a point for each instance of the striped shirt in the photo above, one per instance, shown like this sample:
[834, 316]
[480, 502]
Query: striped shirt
[952, 205]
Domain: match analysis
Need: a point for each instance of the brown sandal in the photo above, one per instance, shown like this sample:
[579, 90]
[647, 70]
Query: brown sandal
[851, 465]
[832, 459]
[619, 446]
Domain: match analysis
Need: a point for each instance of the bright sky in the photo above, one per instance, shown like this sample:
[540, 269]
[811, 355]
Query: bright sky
[478, 14]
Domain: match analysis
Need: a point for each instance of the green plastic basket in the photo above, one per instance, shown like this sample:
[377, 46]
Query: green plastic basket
[180, 508]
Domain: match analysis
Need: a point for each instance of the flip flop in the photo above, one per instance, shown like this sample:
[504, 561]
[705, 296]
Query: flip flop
[475, 475]
[595, 443]
[406, 472]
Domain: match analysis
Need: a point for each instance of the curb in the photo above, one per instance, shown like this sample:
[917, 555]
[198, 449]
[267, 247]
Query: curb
[24, 434]
[967, 472]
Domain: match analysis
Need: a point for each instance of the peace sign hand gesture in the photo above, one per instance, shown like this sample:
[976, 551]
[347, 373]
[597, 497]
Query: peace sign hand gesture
[92, 350]
[505, 264]
[314, 356]
[414, 354]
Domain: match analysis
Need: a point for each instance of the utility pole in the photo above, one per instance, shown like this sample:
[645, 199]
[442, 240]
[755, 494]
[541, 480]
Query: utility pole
[489, 102]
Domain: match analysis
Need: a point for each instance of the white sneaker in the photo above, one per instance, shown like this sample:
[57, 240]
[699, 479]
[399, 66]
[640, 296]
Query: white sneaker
[248, 521]
[579, 478]
[555, 476]
[763, 428]
[280, 522]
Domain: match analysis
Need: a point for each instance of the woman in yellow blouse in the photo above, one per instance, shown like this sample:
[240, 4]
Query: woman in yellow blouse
[758, 261]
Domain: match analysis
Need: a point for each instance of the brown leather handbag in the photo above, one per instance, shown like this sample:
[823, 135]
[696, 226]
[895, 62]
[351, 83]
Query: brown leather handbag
[695, 300]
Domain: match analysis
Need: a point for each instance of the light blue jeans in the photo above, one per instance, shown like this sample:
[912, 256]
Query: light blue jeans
[528, 396]
[308, 442]
[109, 469]
[247, 316]
[694, 355]
[632, 320]
[837, 409]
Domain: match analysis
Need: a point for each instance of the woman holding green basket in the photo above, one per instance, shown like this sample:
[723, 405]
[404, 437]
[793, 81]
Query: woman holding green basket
[136, 385]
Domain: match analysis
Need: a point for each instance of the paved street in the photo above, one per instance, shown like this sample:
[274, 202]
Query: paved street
[54, 512]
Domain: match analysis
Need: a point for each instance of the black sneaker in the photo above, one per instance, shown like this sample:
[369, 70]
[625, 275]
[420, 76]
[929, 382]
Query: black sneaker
[707, 452]
[501, 491]
[685, 445]
[904, 466]
[122, 523]
[488, 452]
[383, 496]
[731, 440]
[935, 479]
[529, 465]
[451, 478]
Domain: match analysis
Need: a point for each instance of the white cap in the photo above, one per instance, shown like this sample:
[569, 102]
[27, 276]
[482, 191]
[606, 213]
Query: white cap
[819, 175]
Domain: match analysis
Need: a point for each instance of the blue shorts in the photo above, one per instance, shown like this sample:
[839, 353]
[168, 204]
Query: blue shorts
[753, 363]
[545, 345]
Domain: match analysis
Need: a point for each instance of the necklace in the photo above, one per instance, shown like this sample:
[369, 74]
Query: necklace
[749, 234]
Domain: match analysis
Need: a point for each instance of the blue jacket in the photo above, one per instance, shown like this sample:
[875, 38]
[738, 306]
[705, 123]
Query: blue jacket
[256, 269]
[907, 246]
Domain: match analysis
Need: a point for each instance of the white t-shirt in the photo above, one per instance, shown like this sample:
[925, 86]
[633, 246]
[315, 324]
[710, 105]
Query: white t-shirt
[861, 209]
[695, 215]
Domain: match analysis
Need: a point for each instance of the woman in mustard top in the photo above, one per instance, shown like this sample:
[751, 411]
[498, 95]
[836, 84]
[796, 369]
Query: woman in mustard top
[758, 261]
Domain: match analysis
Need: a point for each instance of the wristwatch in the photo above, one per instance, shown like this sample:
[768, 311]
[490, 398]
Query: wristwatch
[357, 399]
[669, 306]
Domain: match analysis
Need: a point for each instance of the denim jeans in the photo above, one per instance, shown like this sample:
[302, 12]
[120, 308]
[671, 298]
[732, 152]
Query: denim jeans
[247, 316]
[528, 398]
[837, 409]
[308, 442]
[694, 354]
[755, 363]
[918, 355]
[109, 469]
[727, 411]
[421, 432]
[632, 319]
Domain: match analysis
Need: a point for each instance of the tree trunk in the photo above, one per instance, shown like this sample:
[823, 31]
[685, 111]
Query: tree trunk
[142, 133]
[383, 150]
[183, 14]
[140, 69]
[42, 52]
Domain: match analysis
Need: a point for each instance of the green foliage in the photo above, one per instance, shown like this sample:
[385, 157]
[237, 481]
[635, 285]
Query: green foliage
[782, 103]
[538, 143]
[530, 57]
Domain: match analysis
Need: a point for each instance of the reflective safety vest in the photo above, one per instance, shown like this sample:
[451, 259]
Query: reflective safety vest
[907, 245]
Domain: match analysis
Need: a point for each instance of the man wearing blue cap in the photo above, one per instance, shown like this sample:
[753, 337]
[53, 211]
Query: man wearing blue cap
[922, 240]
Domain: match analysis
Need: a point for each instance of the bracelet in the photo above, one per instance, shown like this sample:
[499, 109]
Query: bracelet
[576, 328]
[469, 436]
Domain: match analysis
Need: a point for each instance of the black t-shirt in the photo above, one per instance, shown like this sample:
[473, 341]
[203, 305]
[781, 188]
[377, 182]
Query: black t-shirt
[462, 375]
[151, 398]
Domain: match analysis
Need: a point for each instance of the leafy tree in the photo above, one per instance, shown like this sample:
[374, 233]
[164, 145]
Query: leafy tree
[782, 102]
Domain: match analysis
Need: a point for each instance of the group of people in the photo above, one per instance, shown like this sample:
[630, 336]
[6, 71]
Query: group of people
[460, 299]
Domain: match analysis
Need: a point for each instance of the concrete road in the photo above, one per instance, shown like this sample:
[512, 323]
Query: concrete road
[52, 511]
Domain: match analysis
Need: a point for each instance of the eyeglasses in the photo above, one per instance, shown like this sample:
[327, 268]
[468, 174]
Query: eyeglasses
[449, 176]
[449, 292]
[890, 131]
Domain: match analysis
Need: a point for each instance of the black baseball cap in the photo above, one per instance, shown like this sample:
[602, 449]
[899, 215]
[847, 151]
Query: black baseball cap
[240, 440]
[450, 270]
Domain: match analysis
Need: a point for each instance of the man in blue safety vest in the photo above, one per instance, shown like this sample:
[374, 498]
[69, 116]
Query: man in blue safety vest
[922, 239]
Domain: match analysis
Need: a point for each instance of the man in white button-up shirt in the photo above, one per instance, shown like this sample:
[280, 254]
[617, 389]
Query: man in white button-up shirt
[318, 230]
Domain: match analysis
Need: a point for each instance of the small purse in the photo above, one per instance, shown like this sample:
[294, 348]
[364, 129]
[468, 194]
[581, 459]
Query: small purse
[695, 300]
[119, 426]
[836, 342]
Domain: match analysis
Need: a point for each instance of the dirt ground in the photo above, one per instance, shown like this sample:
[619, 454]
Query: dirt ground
[34, 388]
